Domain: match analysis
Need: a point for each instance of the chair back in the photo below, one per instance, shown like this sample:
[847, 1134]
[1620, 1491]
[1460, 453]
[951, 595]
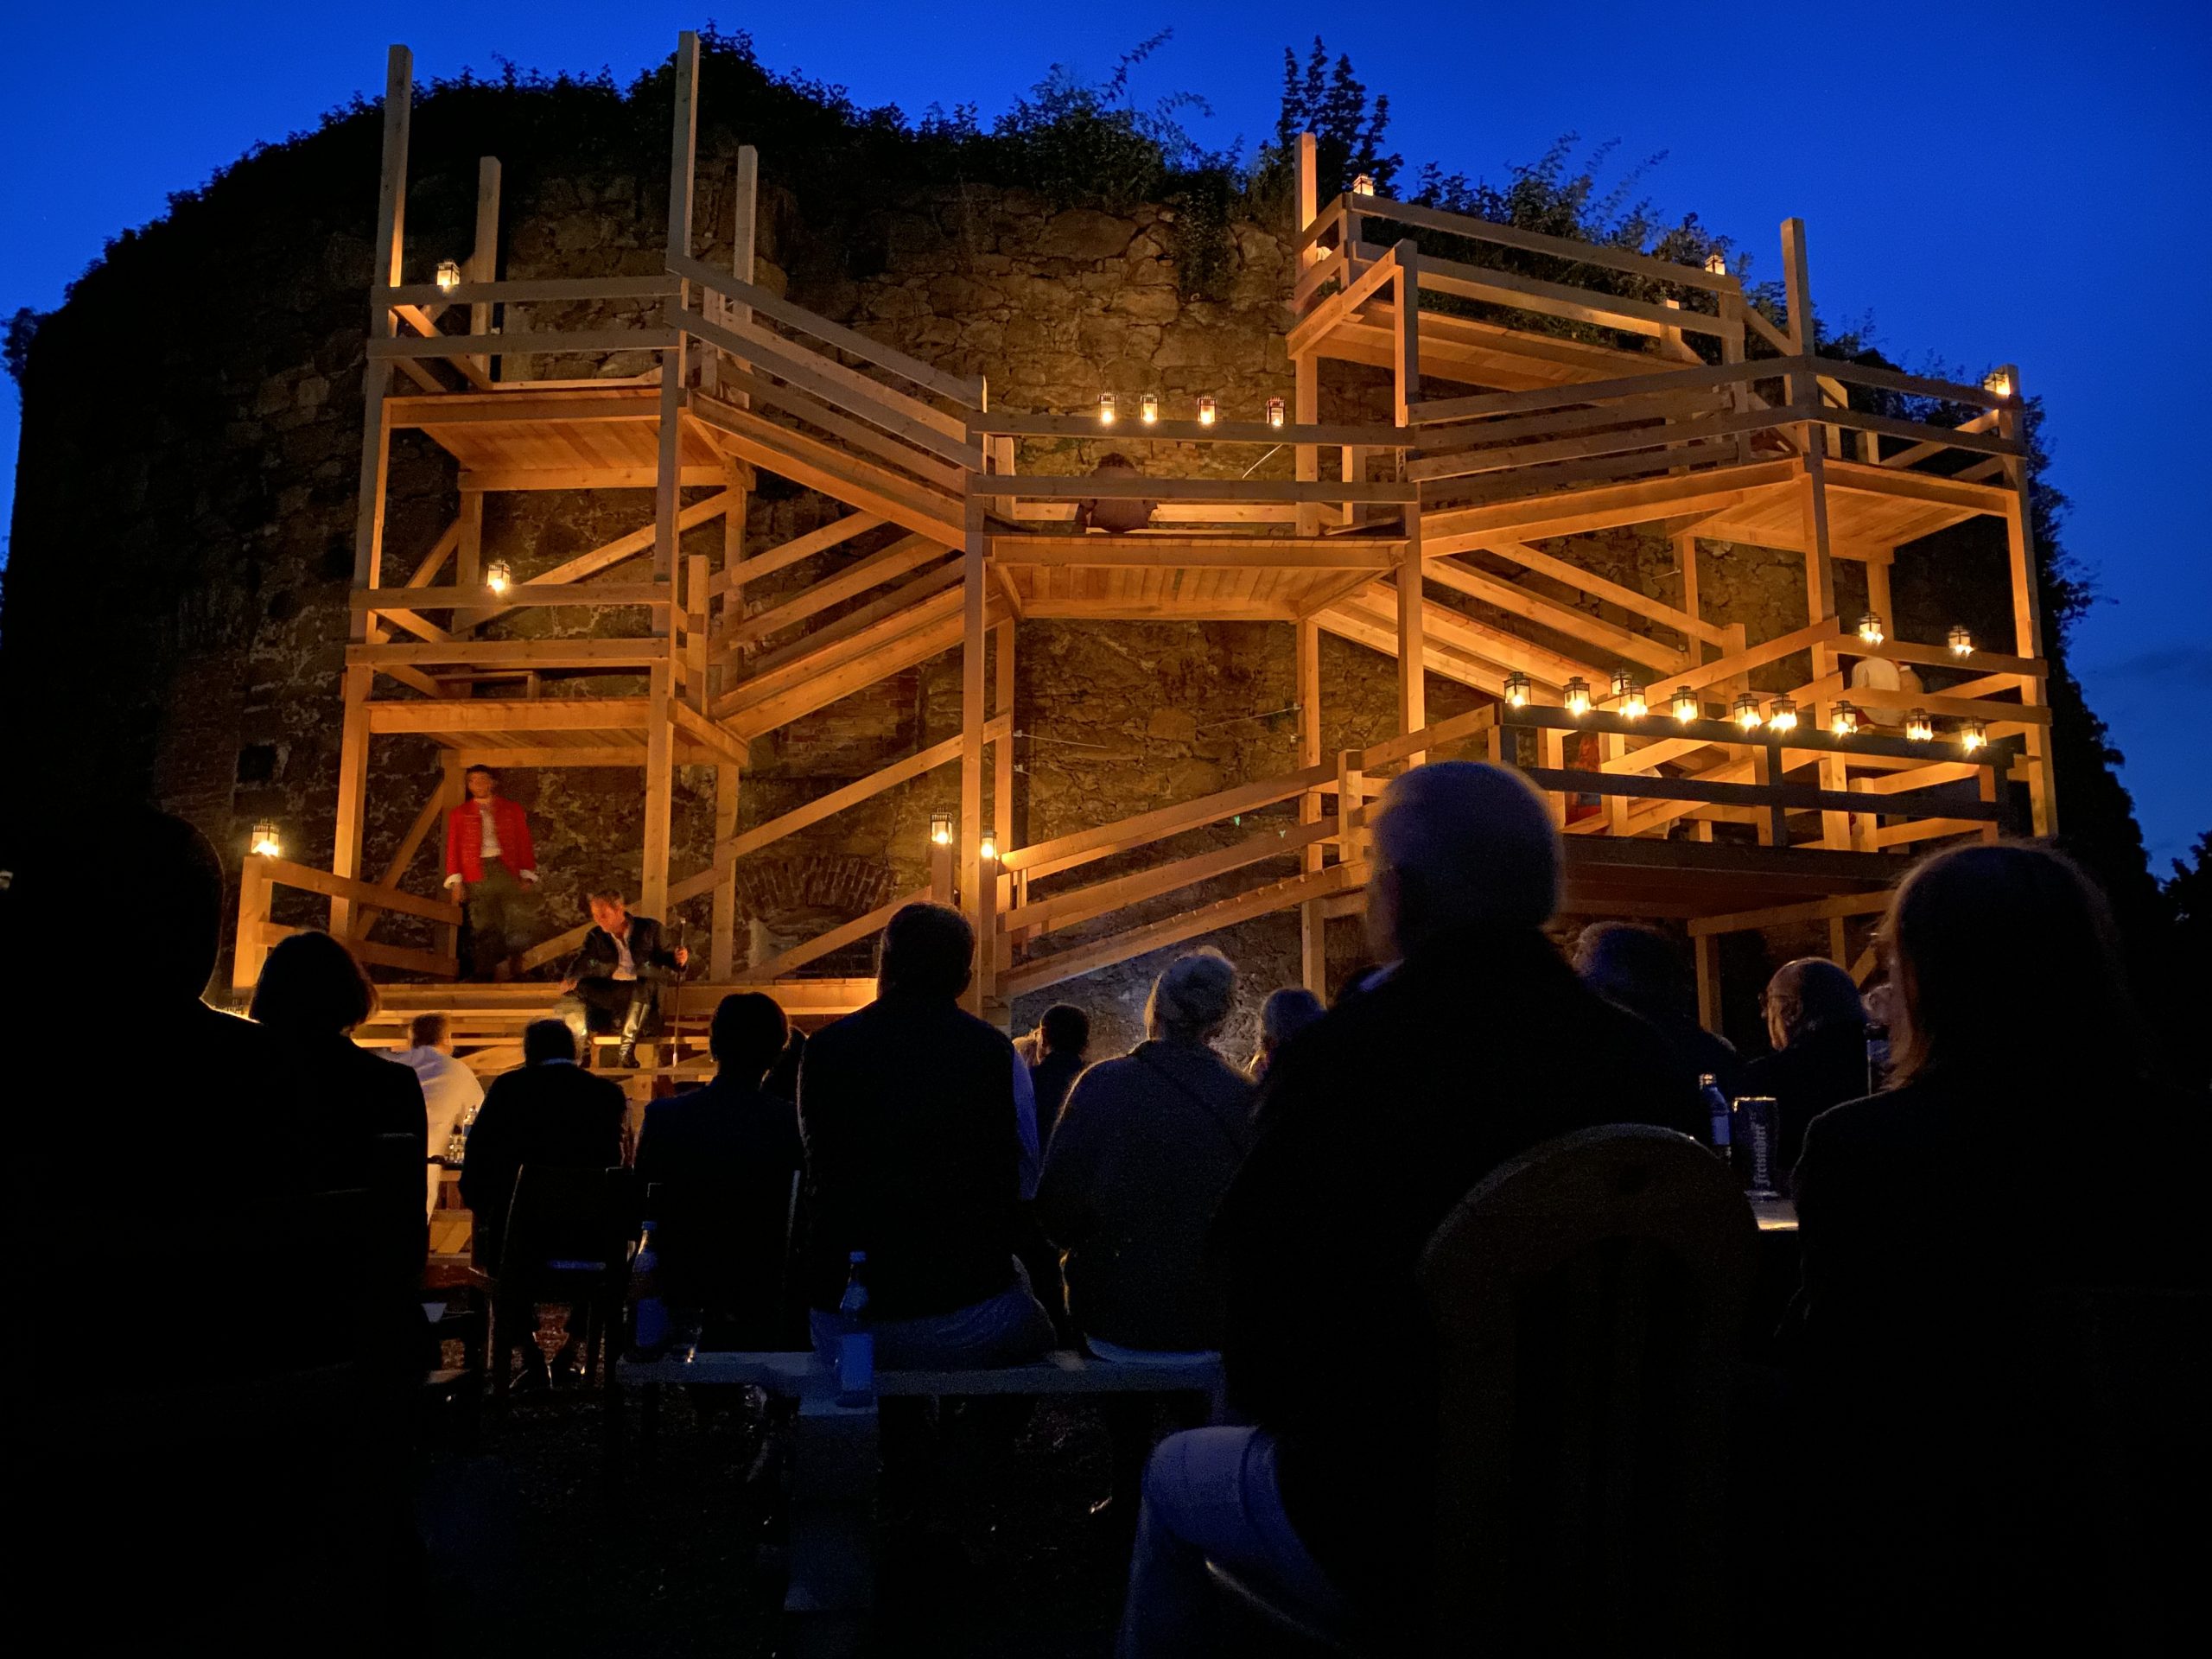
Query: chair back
[566, 1220]
[1588, 1302]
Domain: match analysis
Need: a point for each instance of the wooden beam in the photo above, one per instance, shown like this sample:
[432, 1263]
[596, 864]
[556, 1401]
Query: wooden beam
[973, 595]
[1081, 904]
[352, 791]
[735, 574]
[823, 945]
[507, 714]
[1065, 852]
[1313, 922]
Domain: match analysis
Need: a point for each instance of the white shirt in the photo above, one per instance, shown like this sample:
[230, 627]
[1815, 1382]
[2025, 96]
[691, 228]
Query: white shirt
[491, 848]
[450, 1092]
[625, 967]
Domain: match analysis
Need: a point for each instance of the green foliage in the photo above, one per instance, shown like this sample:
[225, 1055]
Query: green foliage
[16, 344]
[1332, 102]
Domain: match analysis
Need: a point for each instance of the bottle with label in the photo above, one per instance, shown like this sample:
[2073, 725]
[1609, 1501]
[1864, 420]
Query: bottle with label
[1716, 1107]
[855, 1343]
[649, 1313]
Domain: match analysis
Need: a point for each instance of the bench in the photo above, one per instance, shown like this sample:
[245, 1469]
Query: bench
[835, 1446]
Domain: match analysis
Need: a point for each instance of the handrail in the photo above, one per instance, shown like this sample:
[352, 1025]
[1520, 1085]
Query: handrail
[256, 932]
[1093, 487]
[1560, 247]
[523, 290]
[1087, 426]
[537, 343]
[824, 943]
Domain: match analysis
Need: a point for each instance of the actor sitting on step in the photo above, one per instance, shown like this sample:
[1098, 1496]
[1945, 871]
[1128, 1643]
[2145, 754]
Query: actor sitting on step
[488, 862]
[613, 981]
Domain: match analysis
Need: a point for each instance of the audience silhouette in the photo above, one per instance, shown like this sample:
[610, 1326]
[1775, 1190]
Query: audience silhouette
[1817, 1025]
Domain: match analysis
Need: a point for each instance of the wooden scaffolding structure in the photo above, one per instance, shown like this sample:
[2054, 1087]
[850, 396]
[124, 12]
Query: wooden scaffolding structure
[1504, 433]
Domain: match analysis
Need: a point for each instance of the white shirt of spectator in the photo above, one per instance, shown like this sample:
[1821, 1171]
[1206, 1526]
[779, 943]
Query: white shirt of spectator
[450, 1092]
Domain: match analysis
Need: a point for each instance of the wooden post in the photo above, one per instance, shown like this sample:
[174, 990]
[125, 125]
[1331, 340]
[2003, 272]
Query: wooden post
[376, 373]
[1732, 351]
[1413, 646]
[352, 791]
[249, 948]
[1706, 947]
[1812, 506]
[1305, 398]
[484, 259]
[683, 147]
[453, 790]
[972, 642]
[469, 555]
[2027, 611]
[1686, 557]
[728, 780]
[1312, 924]
[744, 244]
[660, 786]
[1773, 825]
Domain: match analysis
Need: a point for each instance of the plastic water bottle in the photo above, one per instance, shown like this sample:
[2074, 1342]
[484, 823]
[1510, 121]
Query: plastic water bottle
[1716, 1106]
[650, 1312]
[856, 1342]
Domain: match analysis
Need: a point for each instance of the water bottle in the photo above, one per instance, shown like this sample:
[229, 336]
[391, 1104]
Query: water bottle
[855, 1343]
[650, 1312]
[1716, 1107]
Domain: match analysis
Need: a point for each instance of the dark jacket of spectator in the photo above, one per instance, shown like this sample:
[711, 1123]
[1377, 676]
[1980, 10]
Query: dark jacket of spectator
[1373, 1125]
[914, 1153]
[721, 1159]
[1049, 1079]
[552, 1113]
[1823, 1067]
[1146, 1146]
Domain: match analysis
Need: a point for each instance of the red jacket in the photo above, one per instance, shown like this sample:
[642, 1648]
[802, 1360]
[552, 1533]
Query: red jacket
[465, 839]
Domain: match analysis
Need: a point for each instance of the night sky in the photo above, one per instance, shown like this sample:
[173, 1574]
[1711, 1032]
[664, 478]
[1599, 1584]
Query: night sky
[2020, 182]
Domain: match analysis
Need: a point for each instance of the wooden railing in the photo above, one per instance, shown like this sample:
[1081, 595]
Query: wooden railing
[261, 877]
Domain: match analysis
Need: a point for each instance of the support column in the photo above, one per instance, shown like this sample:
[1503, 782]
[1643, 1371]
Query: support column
[1685, 559]
[1813, 507]
[469, 555]
[1313, 924]
[660, 786]
[728, 780]
[2027, 609]
[1306, 399]
[1001, 779]
[376, 373]
[1413, 637]
[1706, 949]
[972, 640]
[683, 150]
[484, 259]
[352, 791]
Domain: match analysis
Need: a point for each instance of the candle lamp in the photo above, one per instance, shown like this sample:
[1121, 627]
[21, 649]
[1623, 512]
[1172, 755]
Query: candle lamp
[1972, 734]
[1716, 264]
[940, 829]
[1517, 690]
[1105, 409]
[1781, 714]
[1870, 629]
[449, 275]
[498, 577]
[1918, 727]
[1364, 184]
[1961, 640]
[1274, 411]
[1685, 706]
[1844, 721]
[987, 848]
[1628, 696]
[1998, 384]
[1577, 696]
[1747, 712]
[1148, 408]
[1205, 410]
[268, 841]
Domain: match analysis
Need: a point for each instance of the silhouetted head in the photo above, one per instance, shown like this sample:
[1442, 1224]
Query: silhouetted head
[157, 875]
[2006, 963]
[749, 1032]
[1638, 967]
[1065, 1029]
[311, 986]
[1459, 843]
[1284, 1014]
[1192, 998]
[548, 1039]
[1805, 996]
[430, 1031]
[928, 951]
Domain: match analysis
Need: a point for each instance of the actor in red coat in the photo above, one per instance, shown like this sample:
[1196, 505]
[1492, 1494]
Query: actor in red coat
[488, 860]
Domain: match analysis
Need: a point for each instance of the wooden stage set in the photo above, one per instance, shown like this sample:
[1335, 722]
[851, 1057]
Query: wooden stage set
[1682, 795]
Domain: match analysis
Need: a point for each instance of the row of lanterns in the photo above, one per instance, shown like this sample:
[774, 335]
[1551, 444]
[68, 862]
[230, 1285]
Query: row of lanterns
[1960, 637]
[1780, 715]
[1148, 410]
[941, 836]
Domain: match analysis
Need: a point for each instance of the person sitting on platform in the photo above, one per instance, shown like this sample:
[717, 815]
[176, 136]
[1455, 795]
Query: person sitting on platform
[1818, 1026]
[450, 1090]
[549, 1112]
[614, 979]
[720, 1161]
[1282, 1016]
[1146, 1146]
[1641, 969]
[1116, 515]
[1062, 1050]
[1475, 1044]
[488, 863]
[918, 1129]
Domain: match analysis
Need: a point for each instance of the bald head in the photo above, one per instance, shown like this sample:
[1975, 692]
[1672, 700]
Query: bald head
[1459, 844]
[1808, 994]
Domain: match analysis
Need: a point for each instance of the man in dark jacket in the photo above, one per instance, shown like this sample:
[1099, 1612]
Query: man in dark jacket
[1475, 1044]
[1064, 1049]
[1817, 1023]
[719, 1163]
[549, 1113]
[920, 1145]
[614, 979]
[1643, 971]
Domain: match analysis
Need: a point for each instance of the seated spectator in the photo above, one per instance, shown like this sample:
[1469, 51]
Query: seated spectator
[1282, 1016]
[549, 1112]
[1643, 969]
[1117, 515]
[919, 1129]
[1947, 1225]
[1475, 1045]
[1062, 1050]
[720, 1161]
[1818, 1027]
[450, 1090]
[782, 1080]
[1146, 1146]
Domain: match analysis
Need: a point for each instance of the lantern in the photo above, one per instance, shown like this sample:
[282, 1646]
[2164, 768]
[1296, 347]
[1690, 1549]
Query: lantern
[1364, 185]
[1205, 410]
[1997, 384]
[1148, 408]
[1746, 711]
[449, 275]
[498, 577]
[1918, 727]
[1685, 706]
[1105, 409]
[1274, 411]
[1844, 721]
[1971, 734]
[1961, 640]
[1577, 696]
[1781, 714]
[940, 829]
[1715, 263]
[987, 848]
[1628, 696]
[1870, 628]
[267, 841]
[1517, 690]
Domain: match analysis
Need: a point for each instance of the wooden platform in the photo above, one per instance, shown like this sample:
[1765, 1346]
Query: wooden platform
[518, 438]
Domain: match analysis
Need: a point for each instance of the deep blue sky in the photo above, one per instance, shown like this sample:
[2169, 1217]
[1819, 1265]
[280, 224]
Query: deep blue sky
[2015, 182]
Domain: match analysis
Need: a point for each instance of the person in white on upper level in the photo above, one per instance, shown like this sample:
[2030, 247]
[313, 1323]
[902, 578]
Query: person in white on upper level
[450, 1090]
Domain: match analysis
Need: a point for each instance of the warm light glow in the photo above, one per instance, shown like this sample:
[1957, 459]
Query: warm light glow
[1747, 712]
[1205, 410]
[1918, 727]
[1844, 722]
[1577, 696]
[1715, 263]
[498, 577]
[1149, 409]
[1105, 409]
[988, 849]
[1998, 384]
[267, 843]
[1781, 714]
[1274, 411]
[449, 275]
[1972, 736]
[1685, 706]
[1870, 628]
[941, 829]
[1961, 640]
[1517, 690]
[1628, 694]
[1364, 185]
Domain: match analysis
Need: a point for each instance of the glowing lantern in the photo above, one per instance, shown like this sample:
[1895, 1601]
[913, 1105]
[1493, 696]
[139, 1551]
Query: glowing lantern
[1918, 727]
[1105, 409]
[1274, 411]
[498, 577]
[1870, 628]
[1781, 714]
[1628, 696]
[1961, 640]
[1747, 712]
[1972, 734]
[1685, 706]
[941, 829]
[1205, 410]
[1149, 409]
[1715, 265]
[449, 275]
[1997, 384]
[1364, 185]
[1517, 690]
[267, 841]
[1844, 722]
[1577, 696]
[987, 848]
